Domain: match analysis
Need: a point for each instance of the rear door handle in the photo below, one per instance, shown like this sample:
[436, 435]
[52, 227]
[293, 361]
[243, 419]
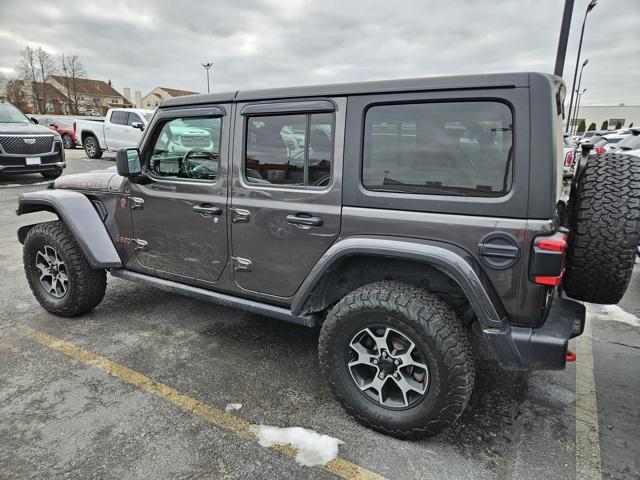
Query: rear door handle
[303, 219]
[207, 210]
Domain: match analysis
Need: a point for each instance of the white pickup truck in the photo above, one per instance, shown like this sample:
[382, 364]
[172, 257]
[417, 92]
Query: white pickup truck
[121, 128]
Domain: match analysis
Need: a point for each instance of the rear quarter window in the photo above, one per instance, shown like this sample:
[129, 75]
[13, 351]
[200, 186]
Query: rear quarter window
[445, 148]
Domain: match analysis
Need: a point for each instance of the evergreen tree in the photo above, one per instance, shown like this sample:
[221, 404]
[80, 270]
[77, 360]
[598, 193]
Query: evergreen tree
[631, 125]
[592, 126]
[618, 125]
[605, 125]
[581, 127]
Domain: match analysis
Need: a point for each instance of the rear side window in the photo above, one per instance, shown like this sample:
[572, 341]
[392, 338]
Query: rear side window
[290, 150]
[119, 118]
[452, 148]
[133, 117]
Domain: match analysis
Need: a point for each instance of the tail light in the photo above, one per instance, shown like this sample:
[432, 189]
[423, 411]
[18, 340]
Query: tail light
[599, 150]
[568, 159]
[548, 259]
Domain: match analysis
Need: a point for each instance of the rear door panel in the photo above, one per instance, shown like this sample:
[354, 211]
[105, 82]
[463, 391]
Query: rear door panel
[281, 254]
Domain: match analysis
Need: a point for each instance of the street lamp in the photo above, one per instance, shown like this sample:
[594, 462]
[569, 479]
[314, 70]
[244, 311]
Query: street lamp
[207, 67]
[575, 114]
[578, 109]
[591, 6]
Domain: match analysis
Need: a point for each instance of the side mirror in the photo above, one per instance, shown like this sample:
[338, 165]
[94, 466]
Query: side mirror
[128, 162]
[34, 120]
[138, 125]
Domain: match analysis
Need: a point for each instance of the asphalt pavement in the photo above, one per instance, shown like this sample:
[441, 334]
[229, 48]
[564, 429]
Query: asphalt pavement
[138, 389]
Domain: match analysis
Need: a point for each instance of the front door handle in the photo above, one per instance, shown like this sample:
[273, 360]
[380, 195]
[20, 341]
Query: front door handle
[207, 210]
[306, 220]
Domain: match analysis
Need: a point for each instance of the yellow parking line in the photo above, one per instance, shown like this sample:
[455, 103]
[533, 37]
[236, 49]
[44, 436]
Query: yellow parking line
[587, 430]
[339, 467]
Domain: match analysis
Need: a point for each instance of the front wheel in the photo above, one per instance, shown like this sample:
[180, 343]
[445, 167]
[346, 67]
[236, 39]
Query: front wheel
[67, 142]
[52, 173]
[58, 273]
[398, 359]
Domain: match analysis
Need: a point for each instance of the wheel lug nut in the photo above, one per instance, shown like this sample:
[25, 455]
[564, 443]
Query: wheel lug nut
[384, 354]
[396, 362]
[381, 375]
[375, 361]
[396, 375]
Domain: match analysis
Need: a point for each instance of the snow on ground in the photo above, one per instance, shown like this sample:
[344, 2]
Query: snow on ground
[312, 447]
[232, 407]
[613, 312]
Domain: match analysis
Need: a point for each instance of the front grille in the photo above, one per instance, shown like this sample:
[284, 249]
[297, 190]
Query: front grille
[21, 145]
[195, 141]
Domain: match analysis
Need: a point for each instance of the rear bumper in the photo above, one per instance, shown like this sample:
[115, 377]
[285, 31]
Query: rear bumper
[14, 164]
[543, 348]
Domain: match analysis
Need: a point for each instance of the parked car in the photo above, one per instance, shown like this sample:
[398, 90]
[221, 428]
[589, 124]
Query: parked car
[628, 144]
[607, 142]
[121, 128]
[569, 147]
[27, 147]
[66, 127]
[411, 224]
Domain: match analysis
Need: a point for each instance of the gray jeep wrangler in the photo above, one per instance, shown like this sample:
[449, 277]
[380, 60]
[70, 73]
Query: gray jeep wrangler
[406, 218]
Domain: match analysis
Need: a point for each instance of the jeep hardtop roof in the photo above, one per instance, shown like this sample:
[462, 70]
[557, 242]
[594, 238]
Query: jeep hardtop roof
[459, 82]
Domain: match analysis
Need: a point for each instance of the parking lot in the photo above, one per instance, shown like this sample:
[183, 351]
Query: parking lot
[138, 389]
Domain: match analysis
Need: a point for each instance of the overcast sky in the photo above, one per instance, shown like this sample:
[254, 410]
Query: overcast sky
[142, 44]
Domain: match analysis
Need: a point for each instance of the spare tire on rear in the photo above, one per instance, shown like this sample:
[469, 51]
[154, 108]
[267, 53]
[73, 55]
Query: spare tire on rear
[604, 223]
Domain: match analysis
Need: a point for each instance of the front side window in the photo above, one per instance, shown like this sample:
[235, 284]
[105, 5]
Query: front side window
[133, 118]
[188, 148]
[290, 150]
[453, 148]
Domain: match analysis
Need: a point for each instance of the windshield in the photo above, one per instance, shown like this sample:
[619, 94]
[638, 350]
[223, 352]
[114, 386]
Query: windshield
[10, 114]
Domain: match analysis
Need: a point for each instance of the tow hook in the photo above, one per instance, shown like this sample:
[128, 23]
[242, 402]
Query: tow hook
[571, 357]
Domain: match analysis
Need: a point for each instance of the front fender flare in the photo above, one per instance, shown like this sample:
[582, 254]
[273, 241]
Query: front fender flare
[79, 215]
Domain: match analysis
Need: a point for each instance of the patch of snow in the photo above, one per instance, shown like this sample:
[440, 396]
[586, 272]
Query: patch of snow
[232, 406]
[613, 312]
[312, 448]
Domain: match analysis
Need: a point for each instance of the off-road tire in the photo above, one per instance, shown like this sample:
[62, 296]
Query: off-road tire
[67, 142]
[92, 147]
[86, 285]
[604, 223]
[436, 332]
[52, 173]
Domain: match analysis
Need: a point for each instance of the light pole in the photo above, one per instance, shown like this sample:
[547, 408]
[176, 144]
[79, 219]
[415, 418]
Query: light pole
[207, 67]
[575, 113]
[591, 6]
[578, 110]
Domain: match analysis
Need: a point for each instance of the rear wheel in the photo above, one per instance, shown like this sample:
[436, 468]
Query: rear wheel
[398, 359]
[92, 147]
[604, 220]
[58, 273]
[67, 142]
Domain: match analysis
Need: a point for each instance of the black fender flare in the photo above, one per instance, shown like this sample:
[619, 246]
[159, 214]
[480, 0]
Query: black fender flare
[451, 260]
[80, 216]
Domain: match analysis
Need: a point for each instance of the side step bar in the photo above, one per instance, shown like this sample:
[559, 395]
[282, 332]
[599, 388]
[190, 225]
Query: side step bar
[215, 297]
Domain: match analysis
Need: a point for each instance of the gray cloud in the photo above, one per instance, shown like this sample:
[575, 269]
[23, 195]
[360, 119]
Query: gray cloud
[255, 43]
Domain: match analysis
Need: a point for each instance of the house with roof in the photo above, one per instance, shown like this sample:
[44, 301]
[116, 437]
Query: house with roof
[35, 97]
[153, 99]
[93, 96]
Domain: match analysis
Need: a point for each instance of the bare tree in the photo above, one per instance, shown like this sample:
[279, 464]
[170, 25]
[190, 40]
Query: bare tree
[27, 69]
[14, 93]
[46, 67]
[72, 70]
[35, 65]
